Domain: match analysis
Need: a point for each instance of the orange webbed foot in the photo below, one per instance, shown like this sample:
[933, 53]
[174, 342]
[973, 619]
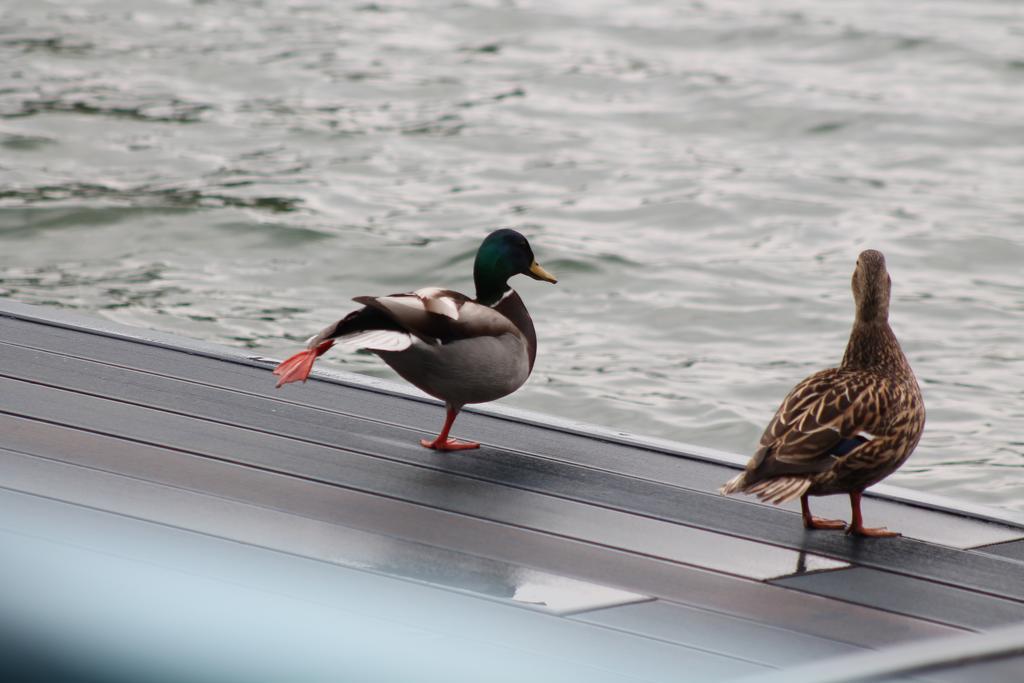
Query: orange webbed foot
[449, 444]
[297, 367]
[821, 523]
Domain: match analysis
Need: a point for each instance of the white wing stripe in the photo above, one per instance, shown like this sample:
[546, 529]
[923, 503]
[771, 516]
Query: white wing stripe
[426, 299]
[442, 305]
[435, 303]
[404, 300]
[378, 340]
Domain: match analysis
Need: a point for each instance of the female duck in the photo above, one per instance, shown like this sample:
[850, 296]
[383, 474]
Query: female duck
[843, 429]
[454, 348]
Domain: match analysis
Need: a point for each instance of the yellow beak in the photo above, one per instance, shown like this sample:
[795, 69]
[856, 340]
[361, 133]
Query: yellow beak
[538, 273]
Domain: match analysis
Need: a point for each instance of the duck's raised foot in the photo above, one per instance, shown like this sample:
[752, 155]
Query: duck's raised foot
[872, 532]
[297, 367]
[449, 444]
[820, 523]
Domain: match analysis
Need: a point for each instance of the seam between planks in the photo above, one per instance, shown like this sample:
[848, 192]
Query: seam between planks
[491, 481]
[425, 465]
[573, 465]
[389, 496]
[242, 503]
[890, 610]
[378, 421]
[236, 357]
[464, 594]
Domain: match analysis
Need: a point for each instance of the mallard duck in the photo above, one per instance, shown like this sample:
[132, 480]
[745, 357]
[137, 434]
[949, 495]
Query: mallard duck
[843, 429]
[454, 348]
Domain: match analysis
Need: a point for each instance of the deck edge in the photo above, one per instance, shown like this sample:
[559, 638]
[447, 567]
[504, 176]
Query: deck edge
[75, 320]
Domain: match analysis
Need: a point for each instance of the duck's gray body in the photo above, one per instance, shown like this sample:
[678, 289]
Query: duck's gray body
[454, 348]
[474, 369]
[447, 345]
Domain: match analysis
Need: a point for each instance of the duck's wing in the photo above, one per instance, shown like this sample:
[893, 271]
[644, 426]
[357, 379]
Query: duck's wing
[439, 316]
[824, 417]
[393, 322]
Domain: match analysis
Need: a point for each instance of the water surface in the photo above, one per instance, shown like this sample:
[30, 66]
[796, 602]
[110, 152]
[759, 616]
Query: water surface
[701, 177]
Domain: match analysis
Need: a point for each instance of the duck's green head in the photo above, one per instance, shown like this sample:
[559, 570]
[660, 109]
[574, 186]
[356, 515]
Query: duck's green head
[502, 254]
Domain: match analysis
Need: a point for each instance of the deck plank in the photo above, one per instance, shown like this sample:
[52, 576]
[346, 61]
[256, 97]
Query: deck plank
[1013, 550]
[418, 418]
[1004, 669]
[387, 609]
[167, 435]
[508, 468]
[317, 502]
[443, 490]
[687, 625]
[144, 500]
[911, 596]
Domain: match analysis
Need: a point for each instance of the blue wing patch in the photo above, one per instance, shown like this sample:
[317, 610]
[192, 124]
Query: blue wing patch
[847, 445]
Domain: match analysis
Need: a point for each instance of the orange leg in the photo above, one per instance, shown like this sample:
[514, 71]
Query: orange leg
[297, 367]
[812, 522]
[858, 528]
[443, 443]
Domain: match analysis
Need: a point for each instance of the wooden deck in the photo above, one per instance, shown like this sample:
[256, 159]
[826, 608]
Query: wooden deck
[166, 509]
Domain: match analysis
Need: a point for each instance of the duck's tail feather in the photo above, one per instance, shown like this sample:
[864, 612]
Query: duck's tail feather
[734, 485]
[775, 490]
[778, 490]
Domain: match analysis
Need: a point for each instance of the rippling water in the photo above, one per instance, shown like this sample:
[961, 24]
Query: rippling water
[701, 176]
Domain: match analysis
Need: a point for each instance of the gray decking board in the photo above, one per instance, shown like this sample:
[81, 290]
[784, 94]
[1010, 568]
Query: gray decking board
[372, 595]
[994, 657]
[109, 382]
[369, 601]
[978, 571]
[403, 481]
[1005, 669]
[1013, 550]
[381, 595]
[687, 625]
[309, 503]
[911, 596]
[866, 628]
[136, 497]
[418, 419]
[332, 471]
[248, 516]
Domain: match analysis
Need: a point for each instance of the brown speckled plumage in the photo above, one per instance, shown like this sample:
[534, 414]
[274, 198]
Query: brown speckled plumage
[843, 429]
